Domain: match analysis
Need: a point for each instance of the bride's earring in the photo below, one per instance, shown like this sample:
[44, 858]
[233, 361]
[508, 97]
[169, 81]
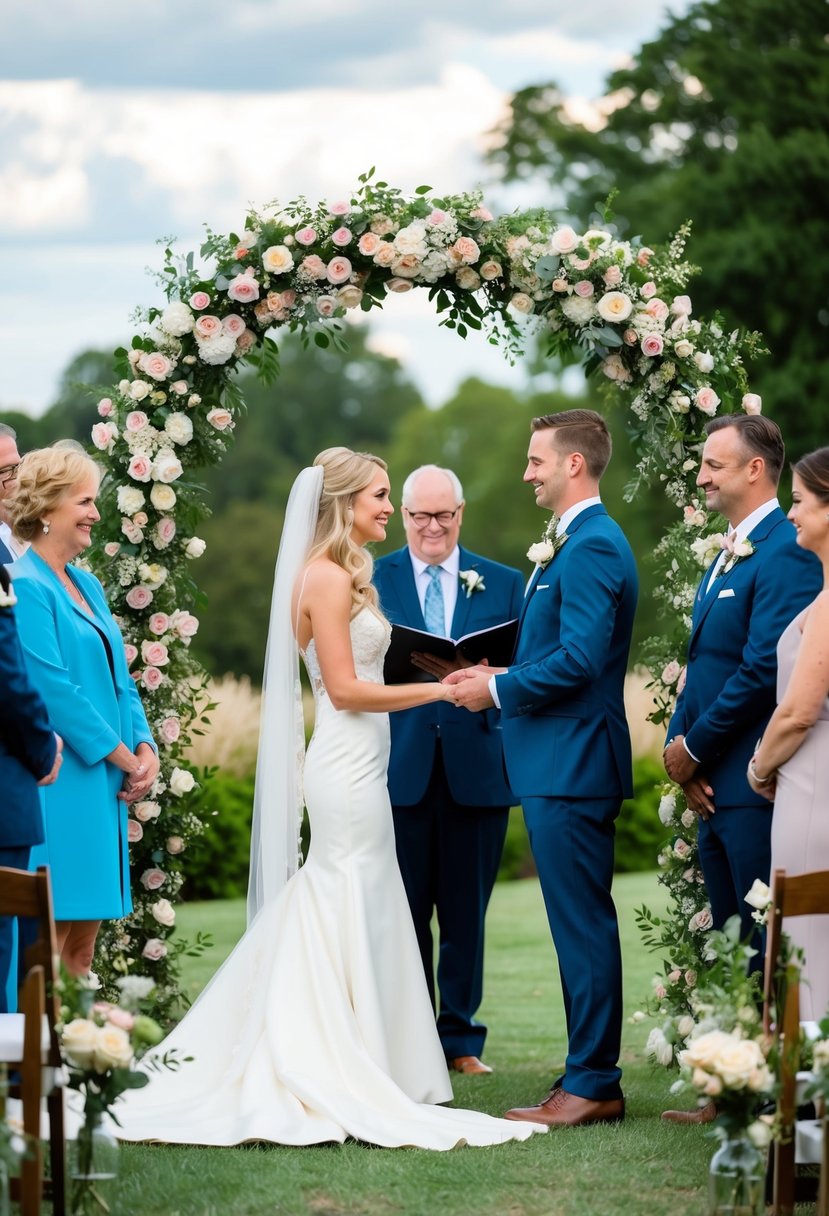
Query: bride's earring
[45, 526]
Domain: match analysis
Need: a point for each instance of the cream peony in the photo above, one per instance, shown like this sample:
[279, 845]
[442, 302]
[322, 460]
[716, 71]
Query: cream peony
[614, 306]
[179, 427]
[277, 259]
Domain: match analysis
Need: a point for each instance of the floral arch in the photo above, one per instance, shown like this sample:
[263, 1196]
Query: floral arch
[616, 306]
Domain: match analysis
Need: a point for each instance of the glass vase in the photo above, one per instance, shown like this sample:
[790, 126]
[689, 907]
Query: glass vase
[93, 1170]
[737, 1179]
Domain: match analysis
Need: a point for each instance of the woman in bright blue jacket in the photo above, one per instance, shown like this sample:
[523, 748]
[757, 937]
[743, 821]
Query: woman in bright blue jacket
[75, 657]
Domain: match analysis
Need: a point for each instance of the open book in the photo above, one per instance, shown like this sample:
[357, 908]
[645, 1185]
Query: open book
[495, 644]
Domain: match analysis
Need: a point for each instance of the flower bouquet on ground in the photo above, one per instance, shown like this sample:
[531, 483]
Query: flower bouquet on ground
[101, 1043]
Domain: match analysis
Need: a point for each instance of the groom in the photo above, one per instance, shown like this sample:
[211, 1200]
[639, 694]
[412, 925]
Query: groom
[567, 746]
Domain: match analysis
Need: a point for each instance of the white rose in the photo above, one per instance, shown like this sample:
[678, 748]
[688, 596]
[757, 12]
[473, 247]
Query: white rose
[277, 259]
[349, 296]
[130, 500]
[195, 547]
[752, 403]
[78, 1042]
[164, 912]
[667, 809]
[659, 1048]
[179, 427]
[139, 389]
[683, 348]
[521, 303]
[704, 361]
[685, 1025]
[177, 319]
[564, 240]
[412, 239]
[759, 896]
[181, 781]
[162, 497]
[541, 552]
[614, 306]
[112, 1049]
[167, 467]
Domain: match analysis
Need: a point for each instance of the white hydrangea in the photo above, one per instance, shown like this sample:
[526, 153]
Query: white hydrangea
[177, 319]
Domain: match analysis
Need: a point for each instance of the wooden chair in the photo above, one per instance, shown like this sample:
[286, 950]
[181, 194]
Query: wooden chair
[795, 895]
[29, 1043]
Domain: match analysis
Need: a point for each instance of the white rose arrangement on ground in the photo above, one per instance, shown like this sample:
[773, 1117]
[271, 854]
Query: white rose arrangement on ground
[619, 306]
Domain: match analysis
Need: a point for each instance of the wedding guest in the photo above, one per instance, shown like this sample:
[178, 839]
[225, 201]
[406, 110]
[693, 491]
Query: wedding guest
[791, 765]
[567, 747]
[760, 581]
[9, 461]
[30, 754]
[75, 658]
[449, 793]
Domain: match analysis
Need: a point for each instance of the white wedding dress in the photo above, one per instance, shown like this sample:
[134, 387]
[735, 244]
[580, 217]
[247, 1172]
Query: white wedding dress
[318, 1027]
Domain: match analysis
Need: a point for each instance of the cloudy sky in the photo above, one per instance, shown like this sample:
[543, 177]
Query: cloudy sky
[122, 124]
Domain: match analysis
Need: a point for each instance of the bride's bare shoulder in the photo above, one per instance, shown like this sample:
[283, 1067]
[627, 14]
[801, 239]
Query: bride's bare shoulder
[324, 577]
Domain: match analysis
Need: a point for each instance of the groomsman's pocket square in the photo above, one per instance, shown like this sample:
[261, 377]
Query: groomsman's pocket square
[726, 593]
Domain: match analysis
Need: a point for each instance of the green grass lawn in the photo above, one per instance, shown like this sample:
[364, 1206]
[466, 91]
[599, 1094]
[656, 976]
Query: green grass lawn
[639, 1167]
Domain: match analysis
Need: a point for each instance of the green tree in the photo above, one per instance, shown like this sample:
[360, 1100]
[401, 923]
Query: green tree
[723, 119]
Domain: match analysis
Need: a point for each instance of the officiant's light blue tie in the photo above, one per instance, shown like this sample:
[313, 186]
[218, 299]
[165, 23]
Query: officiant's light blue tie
[433, 609]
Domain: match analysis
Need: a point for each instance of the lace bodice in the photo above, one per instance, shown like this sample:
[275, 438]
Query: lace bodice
[370, 635]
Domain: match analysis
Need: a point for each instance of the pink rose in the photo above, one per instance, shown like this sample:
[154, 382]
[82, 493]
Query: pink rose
[691, 978]
[105, 407]
[233, 325]
[288, 297]
[151, 678]
[179, 387]
[145, 811]
[436, 217]
[120, 1017]
[680, 684]
[467, 249]
[399, 285]
[583, 288]
[670, 672]
[208, 327]
[244, 289]
[159, 623]
[341, 237]
[564, 240]
[752, 403]
[368, 244]
[152, 879]
[170, 730]
[481, 213]
[140, 519]
[139, 597]
[338, 270]
[103, 433]
[246, 339]
[657, 309]
[135, 832]
[385, 255]
[581, 263]
[135, 421]
[647, 290]
[613, 276]
[111, 548]
[184, 623]
[681, 306]
[156, 365]
[130, 651]
[199, 300]
[155, 653]
[652, 345]
[407, 266]
[154, 949]
[306, 236]
[219, 418]
[166, 529]
[175, 844]
[630, 337]
[339, 208]
[706, 400]
[326, 306]
[644, 256]
[313, 267]
[132, 532]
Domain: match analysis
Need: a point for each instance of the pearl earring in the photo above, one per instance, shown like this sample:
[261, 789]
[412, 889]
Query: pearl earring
[45, 526]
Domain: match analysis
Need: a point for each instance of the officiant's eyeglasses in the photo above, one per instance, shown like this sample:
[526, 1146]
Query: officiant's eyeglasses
[421, 519]
[9, 473]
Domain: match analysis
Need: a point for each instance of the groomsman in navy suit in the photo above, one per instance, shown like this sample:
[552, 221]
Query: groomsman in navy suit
[449, 795]
[745, 600]
[567, 747]
[9, 460]
[29, 755]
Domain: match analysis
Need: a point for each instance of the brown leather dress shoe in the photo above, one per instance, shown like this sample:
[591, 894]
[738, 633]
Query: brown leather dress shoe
[470, 1064]
[703, 1114]
[562, 1109]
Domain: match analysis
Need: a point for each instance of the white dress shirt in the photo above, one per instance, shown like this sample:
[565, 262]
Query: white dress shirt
[15, 547]
[742, 530]
[449, 570]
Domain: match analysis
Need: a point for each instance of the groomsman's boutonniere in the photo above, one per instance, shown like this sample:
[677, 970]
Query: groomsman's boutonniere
[7, 598]
[544, 550]
[737, 550]
[471, 581]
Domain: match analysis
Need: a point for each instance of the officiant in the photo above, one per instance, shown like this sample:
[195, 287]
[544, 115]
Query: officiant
[447, 785]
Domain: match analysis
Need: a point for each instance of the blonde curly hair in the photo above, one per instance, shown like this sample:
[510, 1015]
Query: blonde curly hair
[45, 477]
[345, 473]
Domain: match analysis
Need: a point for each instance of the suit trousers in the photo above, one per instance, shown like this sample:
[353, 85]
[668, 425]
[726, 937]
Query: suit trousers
[735, 848]
[18, 858]
[572, 841]
[449, 856]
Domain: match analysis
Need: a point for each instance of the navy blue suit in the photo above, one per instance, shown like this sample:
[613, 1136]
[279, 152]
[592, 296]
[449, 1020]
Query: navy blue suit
[729, 696]
[27, 753]
[568, 756]
[6, 556]
[450, 801]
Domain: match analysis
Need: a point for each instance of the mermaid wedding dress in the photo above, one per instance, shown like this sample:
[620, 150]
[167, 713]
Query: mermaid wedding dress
[319, 1027]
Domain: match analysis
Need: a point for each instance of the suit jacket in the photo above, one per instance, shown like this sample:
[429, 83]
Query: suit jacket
[6, 555]
[562, 701]
[470, 743]
[731, 679]
[27, 742]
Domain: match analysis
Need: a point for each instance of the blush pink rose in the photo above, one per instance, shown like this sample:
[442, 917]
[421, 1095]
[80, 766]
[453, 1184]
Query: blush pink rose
[564, 240]
[399, 285]
[752, 403]
[155, 653]
[179, 387]
[154, 949]
[135, 421]
[103, 434]
[140, 519]
[139, 597]
[436, 217]
[342, 237]
[644, 256]
[208, 327]
[648, 290]
[156, 365]
[184, 623]
[681, 306]
[583, 288]
[166, 529]
[481, 213]
[307, 236]
[151, 678]
[340, 207]
[175, 845]
[170, 730]
[326, 306]
[313, 267]
[111, 548]
[152, 879]
[130, 651]
[338, 270]
[630, 337]
[122, 1018]
[467, 249]
[613, 276]
[135, 832]
[368, 244]
[244, 289]
[652, 345]
[246, 339]
[385, 255]
[220, 418]
[233, 325]
[159, 623]
[706, 400]
[139, 468]
[657, 309]
[105, 407]
[199, 300]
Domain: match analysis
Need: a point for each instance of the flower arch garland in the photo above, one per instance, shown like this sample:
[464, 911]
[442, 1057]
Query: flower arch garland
[616, 306]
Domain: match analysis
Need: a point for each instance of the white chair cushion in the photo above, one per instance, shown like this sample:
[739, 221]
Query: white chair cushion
[11, 1037]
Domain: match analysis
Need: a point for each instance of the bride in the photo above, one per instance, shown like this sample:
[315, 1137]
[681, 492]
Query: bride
[319, 1027]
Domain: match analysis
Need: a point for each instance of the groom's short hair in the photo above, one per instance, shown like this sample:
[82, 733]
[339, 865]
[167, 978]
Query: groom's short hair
[582, 431]
[759, 437]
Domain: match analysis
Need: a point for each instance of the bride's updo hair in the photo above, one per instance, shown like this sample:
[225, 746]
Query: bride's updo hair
[345, 473]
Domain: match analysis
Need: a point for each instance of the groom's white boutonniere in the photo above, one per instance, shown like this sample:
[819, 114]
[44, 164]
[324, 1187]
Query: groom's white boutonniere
[544, 550]
[7, 598]
[471, 581]
[737, 551]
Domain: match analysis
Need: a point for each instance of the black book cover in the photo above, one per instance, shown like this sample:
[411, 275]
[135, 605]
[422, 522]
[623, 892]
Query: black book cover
[494, 644]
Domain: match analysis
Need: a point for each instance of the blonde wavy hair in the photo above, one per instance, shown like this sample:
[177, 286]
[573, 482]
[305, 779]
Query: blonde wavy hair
[344, 474]
[45, 477]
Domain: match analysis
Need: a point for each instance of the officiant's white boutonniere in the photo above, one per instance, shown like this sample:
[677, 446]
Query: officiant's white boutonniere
[544, 550]
[471, 581]
[737, 551]
[7, 598]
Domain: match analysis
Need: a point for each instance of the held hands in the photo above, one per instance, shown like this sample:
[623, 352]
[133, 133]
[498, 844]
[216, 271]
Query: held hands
[440, 668]
[471, 686]
[140, 775]
[52, 775]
